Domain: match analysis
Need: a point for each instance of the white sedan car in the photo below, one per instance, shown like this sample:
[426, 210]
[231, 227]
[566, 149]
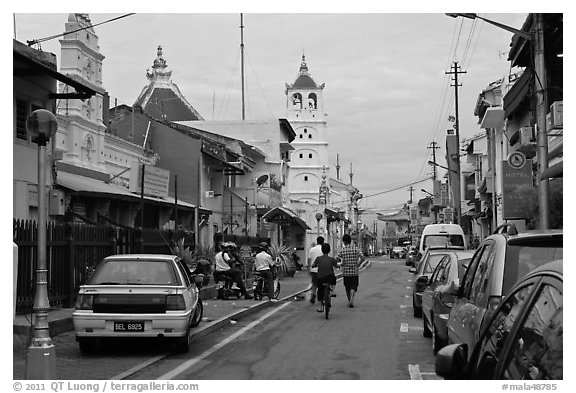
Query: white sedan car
[138, 295]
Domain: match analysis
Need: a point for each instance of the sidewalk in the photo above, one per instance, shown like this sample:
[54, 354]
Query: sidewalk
[216, 312]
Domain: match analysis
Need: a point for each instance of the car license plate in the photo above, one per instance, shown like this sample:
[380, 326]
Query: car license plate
[128, 326]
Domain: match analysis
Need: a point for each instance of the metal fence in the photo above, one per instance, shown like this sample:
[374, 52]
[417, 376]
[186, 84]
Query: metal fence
[73, 248]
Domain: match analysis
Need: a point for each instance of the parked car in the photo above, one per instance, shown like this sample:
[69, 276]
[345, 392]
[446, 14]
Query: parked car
[499, 261]
[423, 271]
[411, 256]
[397, 252]
[138, 295]
[438, 297]
[523, 338]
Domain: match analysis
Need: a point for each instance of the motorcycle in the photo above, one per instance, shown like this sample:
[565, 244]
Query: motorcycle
[260, 286]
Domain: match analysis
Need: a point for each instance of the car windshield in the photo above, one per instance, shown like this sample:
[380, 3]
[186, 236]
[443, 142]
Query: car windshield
[523, 258]
[134, 272]
[443, 240]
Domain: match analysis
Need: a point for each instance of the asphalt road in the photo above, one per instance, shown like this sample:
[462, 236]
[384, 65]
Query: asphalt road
[379, 339]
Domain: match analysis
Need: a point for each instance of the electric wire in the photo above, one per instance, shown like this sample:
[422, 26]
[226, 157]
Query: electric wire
[40, 40]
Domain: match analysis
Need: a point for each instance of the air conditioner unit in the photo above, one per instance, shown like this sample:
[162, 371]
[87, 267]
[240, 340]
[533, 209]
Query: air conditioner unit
[56, 203]
[209, 194]
[526, 136]
[556, 114]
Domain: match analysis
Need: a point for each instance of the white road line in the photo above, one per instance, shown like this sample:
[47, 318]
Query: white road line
[409, 287]
[403, 328]
[191, 362]
[139, 366]
[414, 371]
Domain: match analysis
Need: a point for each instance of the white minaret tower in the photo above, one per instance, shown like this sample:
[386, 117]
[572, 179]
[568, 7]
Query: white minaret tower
[304, 110]
[80, 122]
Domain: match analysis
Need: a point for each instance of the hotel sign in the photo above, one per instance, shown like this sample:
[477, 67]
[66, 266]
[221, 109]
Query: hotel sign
[156, 180]
[516, 187]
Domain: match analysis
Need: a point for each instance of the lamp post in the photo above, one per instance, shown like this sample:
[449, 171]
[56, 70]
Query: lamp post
[536, 38]
[441, 166]
[41, 356]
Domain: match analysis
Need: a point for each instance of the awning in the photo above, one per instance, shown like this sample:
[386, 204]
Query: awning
[283, 216]
[517, 93]
[493, 118]
[331, 214]
[553, 171]
[92, 187]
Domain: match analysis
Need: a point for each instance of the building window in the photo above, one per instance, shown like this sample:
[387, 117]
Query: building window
[309, 136]
[310, 155]
[301, 136]
[305, 178]
[23, 109]
[305, 130]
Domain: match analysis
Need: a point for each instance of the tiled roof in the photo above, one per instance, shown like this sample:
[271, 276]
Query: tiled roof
[164, 104]
[304, 82]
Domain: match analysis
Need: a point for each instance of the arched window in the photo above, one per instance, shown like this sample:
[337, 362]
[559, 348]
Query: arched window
[310, 155]
[301, 136]
[301, 155]
[297, 100]
[309, 136]
[305, 178]
[312, 101]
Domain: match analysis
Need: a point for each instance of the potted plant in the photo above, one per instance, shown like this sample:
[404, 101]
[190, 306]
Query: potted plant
[201, 256]
[282, 256]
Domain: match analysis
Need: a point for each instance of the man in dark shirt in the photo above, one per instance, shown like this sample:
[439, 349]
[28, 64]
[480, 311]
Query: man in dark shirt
[326, 265]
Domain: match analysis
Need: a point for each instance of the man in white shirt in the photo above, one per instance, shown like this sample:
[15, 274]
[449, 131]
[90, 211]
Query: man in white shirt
[263, 263]
[314, 253]
[222, 261]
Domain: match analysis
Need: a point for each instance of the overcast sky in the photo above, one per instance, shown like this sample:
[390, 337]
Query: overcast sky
[387, 96]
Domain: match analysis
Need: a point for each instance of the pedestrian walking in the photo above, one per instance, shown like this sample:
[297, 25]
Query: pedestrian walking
[314, 253]
[350, 258]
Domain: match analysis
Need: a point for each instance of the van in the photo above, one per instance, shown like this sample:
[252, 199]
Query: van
[443, 235]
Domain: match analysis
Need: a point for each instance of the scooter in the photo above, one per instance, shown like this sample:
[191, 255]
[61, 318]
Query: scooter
[260, 286]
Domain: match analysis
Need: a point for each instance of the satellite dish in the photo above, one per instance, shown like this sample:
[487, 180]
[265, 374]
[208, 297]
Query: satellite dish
[261, 180]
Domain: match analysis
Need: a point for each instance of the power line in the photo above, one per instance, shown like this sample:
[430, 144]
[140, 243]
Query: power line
[39, 40]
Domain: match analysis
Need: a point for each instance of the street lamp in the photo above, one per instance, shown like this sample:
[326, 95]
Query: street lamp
[427, 192]
[536, 38]
[41, 356]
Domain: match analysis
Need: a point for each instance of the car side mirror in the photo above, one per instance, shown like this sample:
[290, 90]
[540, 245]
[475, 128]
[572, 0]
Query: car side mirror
[452, 361]
[412, 270]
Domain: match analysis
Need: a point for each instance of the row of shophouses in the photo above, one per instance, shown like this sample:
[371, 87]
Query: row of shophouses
[500, 174]
[159, 164]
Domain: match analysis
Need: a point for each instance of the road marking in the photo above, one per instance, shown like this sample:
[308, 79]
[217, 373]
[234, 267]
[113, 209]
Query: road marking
[409, 287]
[140, 366]
[403, 328]
[191, 362]
[414, 371]
[405, 306]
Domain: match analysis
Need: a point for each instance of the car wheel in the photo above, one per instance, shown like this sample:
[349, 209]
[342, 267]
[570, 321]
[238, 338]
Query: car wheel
[182, 344]
[198, 314]
[87, 345]
[426, 332]
[416, 311]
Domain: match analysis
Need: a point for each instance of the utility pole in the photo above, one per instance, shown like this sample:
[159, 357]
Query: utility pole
[540, 86]
[457, 198]
[411, 190]
[242, 62]
[434, 146]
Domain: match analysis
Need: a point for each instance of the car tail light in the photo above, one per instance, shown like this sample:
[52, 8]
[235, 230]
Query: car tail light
[84, 302]
[494, 302]
[175, 302]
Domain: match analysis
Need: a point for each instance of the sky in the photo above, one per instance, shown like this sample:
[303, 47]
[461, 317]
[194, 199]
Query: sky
[387, 96]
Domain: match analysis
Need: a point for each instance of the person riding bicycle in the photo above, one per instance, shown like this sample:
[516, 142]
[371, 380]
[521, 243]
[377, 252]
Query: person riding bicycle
[264, 265]
[223, 260]
[326, 265]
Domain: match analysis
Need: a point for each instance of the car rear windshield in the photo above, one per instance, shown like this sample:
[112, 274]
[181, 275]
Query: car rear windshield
[443, 240]
[523, 258]
[135, 272]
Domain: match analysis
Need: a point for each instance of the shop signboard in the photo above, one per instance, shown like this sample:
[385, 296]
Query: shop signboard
[156, 180]
[516, 186]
